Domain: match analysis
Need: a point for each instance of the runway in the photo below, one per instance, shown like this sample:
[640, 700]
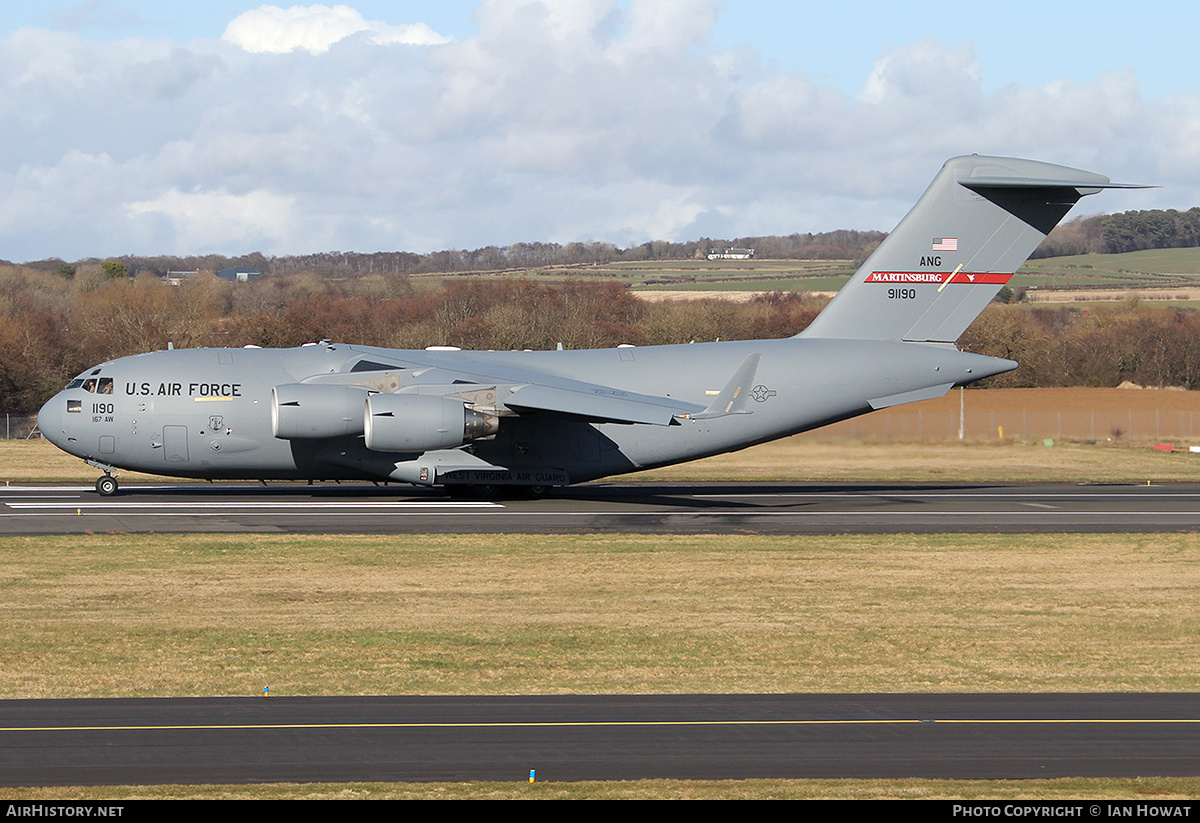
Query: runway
[616, 737]
[631, 506]
[769, 508]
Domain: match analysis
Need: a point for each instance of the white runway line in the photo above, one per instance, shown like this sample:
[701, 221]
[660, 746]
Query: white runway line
[234, 505]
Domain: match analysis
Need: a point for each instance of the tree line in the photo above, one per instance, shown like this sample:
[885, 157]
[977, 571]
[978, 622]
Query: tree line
[834, 245]
[1124, 232]
[1103, 346]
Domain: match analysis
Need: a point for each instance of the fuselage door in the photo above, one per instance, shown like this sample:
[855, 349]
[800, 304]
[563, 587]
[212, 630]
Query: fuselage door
[175, 446]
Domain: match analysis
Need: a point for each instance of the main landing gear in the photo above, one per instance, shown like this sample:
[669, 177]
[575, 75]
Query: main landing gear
[496, 491]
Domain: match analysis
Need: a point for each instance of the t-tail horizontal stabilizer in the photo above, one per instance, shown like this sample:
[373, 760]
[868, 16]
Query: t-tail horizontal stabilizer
[975, 225]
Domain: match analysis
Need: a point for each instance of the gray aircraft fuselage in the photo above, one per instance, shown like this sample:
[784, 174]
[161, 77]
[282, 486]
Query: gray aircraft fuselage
[208, 412]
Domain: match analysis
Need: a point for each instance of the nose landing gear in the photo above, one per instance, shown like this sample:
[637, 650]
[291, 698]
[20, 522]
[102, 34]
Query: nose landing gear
[106, 486]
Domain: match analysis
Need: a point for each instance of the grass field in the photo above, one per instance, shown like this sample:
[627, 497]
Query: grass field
[159, 615]
[1155, 268]
[1141, 789]
[705, 275]
[851, 461]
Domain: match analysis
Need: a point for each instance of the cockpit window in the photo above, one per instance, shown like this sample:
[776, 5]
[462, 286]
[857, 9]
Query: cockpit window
[92, 385]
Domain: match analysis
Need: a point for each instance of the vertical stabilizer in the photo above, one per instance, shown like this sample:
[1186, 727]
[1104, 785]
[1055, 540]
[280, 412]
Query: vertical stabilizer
[975, 225]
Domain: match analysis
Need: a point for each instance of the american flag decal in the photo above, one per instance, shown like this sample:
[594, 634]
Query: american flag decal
[945, 244]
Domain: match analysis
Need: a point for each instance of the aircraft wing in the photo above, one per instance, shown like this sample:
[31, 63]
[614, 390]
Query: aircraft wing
[519, 390]
[598, 404]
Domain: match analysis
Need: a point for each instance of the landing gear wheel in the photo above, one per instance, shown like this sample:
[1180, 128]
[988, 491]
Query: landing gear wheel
[106, 486]
[488, 491]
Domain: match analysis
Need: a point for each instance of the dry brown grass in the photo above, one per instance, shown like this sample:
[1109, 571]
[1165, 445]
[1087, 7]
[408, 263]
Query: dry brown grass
[39, 461]
[800, 459]
[1143, 789]
[228, 615]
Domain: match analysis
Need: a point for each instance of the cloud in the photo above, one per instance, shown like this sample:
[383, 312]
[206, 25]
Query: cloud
[926, 71]
[97, 14]
[194, 218]
[310, 129]
[276, 30]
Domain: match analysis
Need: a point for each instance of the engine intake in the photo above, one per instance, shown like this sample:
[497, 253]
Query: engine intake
[305, 411]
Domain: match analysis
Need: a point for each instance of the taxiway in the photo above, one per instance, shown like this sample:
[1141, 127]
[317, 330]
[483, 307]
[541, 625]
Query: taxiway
[608, 737]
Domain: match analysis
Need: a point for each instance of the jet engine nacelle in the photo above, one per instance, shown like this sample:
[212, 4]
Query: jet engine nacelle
[301, 411]
[422, 422]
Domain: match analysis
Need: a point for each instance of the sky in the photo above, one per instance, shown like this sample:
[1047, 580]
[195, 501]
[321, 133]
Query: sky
[148, 127]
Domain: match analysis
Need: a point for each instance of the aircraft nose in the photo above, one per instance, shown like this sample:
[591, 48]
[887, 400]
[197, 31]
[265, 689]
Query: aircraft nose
[51, 419]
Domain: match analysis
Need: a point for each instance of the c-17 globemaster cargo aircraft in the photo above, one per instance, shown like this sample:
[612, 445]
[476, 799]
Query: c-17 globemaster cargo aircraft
[489, 421]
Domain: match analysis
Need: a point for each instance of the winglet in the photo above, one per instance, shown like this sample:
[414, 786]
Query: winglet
[732, 399]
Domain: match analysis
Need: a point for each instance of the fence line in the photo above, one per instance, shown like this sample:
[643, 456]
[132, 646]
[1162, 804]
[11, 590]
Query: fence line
[17, 427]
[1106, 424]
